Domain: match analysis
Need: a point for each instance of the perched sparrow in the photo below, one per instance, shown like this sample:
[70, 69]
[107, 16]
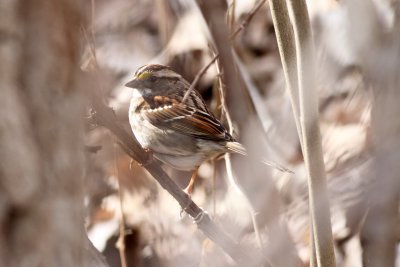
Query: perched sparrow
[180, 134]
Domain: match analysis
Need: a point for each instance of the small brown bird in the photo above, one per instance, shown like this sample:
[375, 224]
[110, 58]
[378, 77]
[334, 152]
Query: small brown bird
[180, 134]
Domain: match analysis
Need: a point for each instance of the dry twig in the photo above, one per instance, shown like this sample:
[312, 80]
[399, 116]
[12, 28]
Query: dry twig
[244, 23]
[198, 76]
[248, 18]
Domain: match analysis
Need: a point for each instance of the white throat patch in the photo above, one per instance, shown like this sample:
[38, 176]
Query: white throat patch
[136, 93]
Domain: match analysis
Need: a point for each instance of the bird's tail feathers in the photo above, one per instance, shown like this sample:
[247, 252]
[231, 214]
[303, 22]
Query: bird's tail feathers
[236, 147]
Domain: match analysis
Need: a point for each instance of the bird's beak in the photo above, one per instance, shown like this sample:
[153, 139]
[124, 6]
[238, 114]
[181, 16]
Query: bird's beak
[132, 84]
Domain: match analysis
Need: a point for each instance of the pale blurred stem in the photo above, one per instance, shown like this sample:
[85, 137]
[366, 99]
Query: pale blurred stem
[228, 164]
[231, 14]
[164, 20]
[92, 29]
[312, 147]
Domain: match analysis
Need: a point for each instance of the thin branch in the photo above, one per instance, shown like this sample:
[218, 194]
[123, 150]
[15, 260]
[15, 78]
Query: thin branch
[248, 18]
[223, 102]
[198, 76]
[231, 14]
[244, 23]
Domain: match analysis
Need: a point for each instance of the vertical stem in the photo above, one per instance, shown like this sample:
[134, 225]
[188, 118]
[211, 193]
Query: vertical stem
[287, 51]
[306, 117]
[312, 148]
[164, 21]
[228, 163]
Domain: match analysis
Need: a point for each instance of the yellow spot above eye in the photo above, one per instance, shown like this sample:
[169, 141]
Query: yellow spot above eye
[143, 75]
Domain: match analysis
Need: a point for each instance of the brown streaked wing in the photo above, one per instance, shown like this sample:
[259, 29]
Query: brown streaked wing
[194, 99]
[188, 120]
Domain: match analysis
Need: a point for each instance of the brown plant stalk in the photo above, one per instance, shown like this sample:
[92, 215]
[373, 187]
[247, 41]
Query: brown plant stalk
[307, 107]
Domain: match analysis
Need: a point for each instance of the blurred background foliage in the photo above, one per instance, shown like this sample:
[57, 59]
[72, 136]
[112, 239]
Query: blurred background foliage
[129, 34]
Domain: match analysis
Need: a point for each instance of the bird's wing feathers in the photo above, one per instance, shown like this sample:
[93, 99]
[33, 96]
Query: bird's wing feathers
[187, 120]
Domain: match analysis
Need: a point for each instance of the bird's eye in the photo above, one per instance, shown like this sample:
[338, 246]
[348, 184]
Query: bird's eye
[152, 78]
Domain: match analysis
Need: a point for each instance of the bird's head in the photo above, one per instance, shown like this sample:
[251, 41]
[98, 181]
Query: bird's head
[153, 79]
